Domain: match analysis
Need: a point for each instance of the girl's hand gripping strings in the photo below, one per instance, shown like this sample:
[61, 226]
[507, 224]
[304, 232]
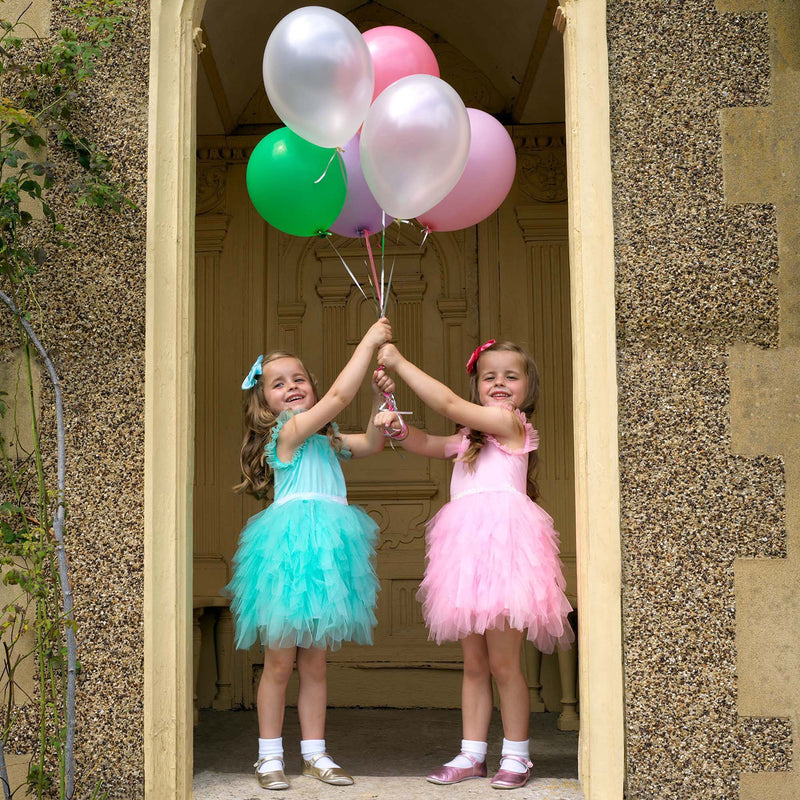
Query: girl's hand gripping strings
[340, 394]
[493, 418]
[382, 383]
[392, 425]
[389, 419]
[383, 386]
[398, 430]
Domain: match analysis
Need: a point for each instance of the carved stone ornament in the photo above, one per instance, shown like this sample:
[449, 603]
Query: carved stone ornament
[543, 173]
[472, 85]
[210, 188]
[211, 156]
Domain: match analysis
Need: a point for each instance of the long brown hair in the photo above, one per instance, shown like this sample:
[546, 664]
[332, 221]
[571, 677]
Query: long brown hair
[477, 439]
[259, 421]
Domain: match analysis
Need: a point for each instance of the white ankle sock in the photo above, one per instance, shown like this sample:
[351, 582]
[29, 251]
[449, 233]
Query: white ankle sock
[521, 749]
[312, 747]
[271, 749]
[475, 749]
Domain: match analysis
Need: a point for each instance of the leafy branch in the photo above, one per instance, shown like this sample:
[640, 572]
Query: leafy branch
[41, 110]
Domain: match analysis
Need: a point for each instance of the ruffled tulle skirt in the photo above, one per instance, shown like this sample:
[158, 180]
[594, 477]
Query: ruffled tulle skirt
[493, 559]
[304, 576]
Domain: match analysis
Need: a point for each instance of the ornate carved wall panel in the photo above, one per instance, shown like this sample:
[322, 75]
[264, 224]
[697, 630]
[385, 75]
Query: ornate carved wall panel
[259, 290]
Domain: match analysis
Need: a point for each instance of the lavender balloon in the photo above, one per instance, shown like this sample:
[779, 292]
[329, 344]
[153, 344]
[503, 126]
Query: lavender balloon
[361, 213]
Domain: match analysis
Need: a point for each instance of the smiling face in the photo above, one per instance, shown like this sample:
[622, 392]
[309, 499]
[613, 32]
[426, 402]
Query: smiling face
[501, 378]
[287, 386]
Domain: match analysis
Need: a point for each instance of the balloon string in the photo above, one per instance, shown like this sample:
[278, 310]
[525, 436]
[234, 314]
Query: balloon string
[388, 290]
[337, 152]
[374, 272]
[384, 292]
[344, 263]
[424, 238]
[374, 294]
[391, 405]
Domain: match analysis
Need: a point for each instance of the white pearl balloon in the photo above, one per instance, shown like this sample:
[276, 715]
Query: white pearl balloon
[318, 75]
[414, 144]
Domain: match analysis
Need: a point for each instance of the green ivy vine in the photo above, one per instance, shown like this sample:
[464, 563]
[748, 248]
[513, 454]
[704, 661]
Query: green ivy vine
[40, 111]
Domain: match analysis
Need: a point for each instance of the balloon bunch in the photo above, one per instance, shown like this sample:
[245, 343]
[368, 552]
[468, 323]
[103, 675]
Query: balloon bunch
[372, 133]
[405, 144]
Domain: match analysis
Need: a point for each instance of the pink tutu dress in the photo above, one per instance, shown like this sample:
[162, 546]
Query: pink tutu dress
[493, 553]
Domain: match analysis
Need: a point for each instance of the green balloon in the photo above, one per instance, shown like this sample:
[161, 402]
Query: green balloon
[283, 181]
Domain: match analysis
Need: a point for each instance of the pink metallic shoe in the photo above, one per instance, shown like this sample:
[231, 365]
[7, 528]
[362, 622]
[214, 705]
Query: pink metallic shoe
[448, 775]
[505, 779]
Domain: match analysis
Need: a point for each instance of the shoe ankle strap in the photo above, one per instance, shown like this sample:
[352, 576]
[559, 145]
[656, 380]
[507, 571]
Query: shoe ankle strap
[471, 758]
[526, 762]
[264, 759]
[316, 757]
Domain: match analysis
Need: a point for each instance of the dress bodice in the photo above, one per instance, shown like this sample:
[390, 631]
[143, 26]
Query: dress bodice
[497, 468]
[314, 470]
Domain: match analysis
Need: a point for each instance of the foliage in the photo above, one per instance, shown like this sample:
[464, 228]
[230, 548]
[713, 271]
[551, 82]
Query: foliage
[40, 108]
[41, 111]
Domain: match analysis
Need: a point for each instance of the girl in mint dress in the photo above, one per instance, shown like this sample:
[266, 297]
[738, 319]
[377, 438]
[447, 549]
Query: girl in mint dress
[303, 574]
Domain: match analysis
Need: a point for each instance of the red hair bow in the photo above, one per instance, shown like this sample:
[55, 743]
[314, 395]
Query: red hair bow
[473, 359]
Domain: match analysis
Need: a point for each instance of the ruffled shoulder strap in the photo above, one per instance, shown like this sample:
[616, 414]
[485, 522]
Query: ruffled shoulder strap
[271, 447]
[345, 454]
[457, 448]
[531, 437]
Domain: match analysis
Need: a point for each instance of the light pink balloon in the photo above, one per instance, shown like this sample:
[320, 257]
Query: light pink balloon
[398, 52]
[485, 182]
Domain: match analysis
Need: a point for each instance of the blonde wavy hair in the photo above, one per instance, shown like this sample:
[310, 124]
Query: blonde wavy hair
[259, 420]
[477, 439]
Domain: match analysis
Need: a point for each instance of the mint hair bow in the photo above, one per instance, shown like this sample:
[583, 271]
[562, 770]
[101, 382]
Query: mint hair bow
[252, 377]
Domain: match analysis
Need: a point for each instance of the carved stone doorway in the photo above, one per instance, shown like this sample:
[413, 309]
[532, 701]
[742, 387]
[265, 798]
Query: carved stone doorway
[171, 361]
[259, 289]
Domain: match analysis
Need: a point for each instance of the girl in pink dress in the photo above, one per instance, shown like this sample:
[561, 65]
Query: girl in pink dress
[493, 569]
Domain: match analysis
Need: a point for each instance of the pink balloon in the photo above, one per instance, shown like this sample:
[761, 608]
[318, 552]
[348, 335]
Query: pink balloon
[396, 53]
[485, 182]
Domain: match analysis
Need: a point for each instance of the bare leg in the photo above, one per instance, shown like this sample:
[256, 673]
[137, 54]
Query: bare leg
[505, 649]
[312, 700]
[476, 689]
[271, 699]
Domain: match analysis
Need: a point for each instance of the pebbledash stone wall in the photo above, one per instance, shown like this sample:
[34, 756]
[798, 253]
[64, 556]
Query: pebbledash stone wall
[92, 322]
[705, 158]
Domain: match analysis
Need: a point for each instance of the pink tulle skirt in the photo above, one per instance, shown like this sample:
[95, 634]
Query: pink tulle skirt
[493, 559]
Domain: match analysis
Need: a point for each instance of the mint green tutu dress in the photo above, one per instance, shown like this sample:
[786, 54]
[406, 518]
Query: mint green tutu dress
[303, 573]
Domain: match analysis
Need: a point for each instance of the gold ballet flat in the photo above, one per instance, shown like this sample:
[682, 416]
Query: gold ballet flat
[275, 779]
[336, 776]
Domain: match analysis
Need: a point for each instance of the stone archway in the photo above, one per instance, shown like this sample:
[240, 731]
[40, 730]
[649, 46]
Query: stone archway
[169, 409]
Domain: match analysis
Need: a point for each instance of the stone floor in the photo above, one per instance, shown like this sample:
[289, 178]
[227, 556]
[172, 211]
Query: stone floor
[386, 750]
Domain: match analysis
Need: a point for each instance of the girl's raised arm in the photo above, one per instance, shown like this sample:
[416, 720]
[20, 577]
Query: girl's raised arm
[495, 420]
[372, 440]
[341, 393]
[416, 441]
